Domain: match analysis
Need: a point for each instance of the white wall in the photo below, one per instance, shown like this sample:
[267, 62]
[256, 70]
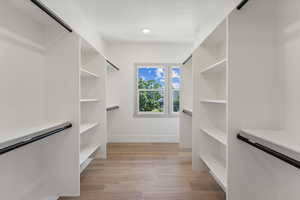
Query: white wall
[223, 9]
[74, 17]
[123, 126]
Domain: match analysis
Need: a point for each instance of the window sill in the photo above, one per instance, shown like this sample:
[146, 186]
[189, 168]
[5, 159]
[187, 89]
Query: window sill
[140, 115]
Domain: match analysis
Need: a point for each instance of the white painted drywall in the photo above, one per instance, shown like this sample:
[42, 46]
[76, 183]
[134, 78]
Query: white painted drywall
[123, 126]
[74, 17]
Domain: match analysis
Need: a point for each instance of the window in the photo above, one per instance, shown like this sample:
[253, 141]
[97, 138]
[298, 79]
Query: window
[156, 93]
[175, 89]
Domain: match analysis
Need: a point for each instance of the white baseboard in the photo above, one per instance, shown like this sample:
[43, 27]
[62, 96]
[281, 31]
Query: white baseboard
[52, 198]
[144, 138]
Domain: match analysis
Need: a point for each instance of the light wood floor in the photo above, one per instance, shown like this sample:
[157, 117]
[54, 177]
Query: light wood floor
[146, 172]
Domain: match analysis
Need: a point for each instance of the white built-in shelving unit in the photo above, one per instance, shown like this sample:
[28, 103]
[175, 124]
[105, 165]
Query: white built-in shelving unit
[210, 102]
[216, 134]
[246, 82]
[89, 100]
[112, 97]
[93, 133]
[186, 104]
[85, 127]
[217, 169]
[39, 91]
[50, 77]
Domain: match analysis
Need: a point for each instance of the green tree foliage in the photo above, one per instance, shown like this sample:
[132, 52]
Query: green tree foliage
[150, 84]
[150, 101]
[176, 101]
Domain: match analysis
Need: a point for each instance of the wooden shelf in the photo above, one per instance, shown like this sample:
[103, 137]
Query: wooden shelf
[216, 134]
[87, 152]
[87, 126]
[213, 101]
[86, 74]
[217, 67]
[88, 100]
[279, 139]
[217, 170]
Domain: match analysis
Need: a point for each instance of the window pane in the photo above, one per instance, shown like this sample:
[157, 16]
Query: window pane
[151, 101]
[175, 78]
[151, 77]
[176, 101]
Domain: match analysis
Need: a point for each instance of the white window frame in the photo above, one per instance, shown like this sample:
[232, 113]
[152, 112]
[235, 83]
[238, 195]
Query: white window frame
[172, 90]
[167, 90]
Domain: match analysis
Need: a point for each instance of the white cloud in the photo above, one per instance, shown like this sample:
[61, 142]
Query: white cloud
[176, 85]
[143, 78]
[175, 74]
[159, 73]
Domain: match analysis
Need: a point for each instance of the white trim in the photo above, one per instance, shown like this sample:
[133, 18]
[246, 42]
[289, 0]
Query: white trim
[167, 90]
[52, 198]
[171, 90]
[144, 138]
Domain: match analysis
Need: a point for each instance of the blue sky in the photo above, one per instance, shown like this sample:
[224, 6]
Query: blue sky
[158, 74]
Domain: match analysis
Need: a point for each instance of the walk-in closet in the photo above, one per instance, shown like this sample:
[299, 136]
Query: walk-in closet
[140, 100]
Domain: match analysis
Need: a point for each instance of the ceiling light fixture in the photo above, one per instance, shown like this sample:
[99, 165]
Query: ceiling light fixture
[146, 30]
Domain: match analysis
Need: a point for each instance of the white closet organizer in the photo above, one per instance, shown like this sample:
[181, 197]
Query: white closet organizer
[93, 133]
[210, 105]
[186, 101]
[113, 103]
[246, 80]
[264, 44]
[39, 90]
[112, 75]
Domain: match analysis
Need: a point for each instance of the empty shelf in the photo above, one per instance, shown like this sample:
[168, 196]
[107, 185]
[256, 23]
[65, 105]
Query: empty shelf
[88, 100]
[216, 134]
[218, 67]
[86, 153]
[277, 138]
[110, 108]
[13, 137]
[87, 126]
[217, 170]
[86, 74]
[214, 101]
[189, 112]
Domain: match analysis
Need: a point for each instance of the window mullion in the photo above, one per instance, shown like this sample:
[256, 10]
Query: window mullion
[167, 87]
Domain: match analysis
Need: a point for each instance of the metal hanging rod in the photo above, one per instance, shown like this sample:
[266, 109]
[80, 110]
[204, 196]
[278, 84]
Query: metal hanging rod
[114, 66]
[37, 136]
[188, 112]
[270, 151]
[187, 60]
[52, 15]
[112, 108]
[241, 5]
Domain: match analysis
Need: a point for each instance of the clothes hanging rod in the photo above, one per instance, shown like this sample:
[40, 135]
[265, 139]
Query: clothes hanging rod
[112, 108]
[270, 151]
[114, 66]
[52, 15]
[188, 112]
[37, 136]
[187, 60]
[241, 5]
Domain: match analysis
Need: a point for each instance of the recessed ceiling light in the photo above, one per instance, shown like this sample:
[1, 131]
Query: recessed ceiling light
[146, 30]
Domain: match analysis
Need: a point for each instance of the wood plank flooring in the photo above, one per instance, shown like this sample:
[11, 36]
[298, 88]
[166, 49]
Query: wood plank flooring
[139, 171]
